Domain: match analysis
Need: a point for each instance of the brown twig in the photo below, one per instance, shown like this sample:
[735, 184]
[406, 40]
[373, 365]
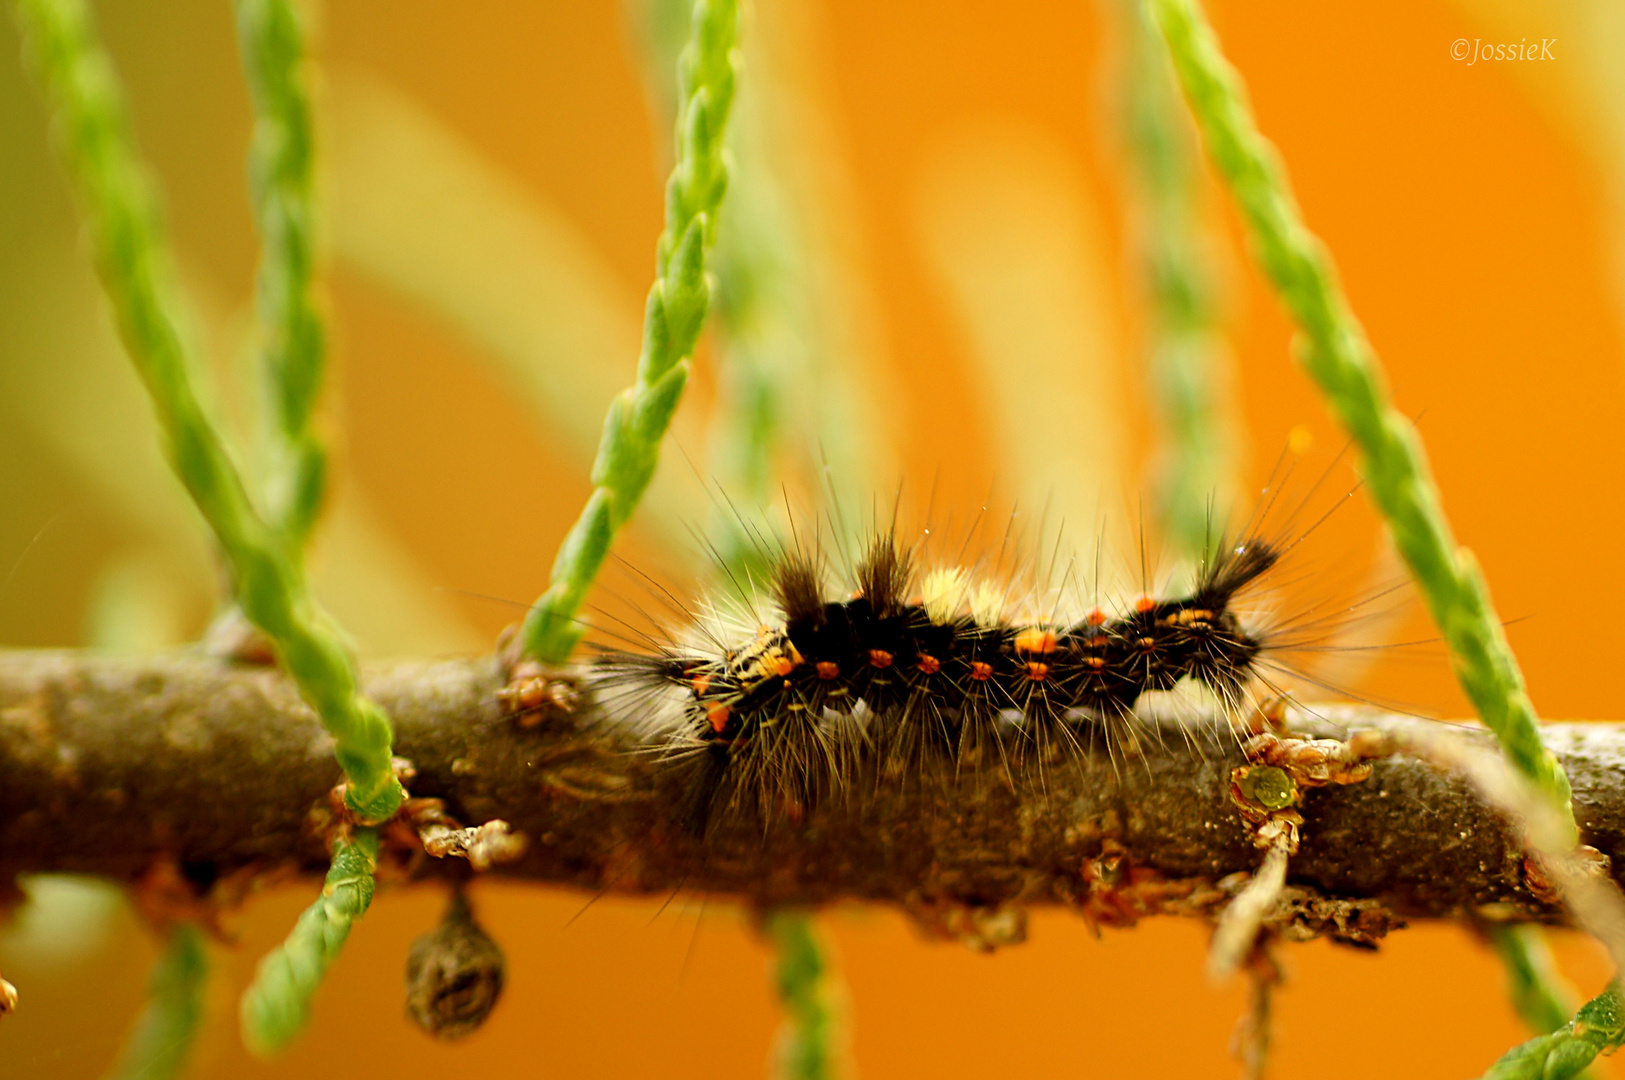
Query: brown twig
[111, 765]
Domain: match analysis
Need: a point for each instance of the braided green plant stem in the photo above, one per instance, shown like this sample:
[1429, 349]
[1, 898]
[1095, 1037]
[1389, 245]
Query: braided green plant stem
[280, 168]
[163, 1037]
[746, 426]
[762, 347]
[758, 348]
[1333, 347]
[135, 267]
[1539, 995]
[1533, 983]
[1187, 361]
[277, 1006]
[804, 1051]
[676, 308]
[1599, 1027]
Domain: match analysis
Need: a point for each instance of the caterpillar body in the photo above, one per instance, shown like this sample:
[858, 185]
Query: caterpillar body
[914, 662]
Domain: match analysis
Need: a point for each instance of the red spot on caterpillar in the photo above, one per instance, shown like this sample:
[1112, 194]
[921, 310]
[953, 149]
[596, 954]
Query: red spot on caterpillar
[780, 665]
[1096, 617]
[1144, 604]
[980, 671]
[700, 684]
[879, 658]
[929, 664]
[1096, 662]
[1036, 639]
[716, 714]
[1037, 672]
[828, 669]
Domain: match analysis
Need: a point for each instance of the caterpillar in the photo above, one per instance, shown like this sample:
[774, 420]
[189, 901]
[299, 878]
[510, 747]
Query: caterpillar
[781, 702]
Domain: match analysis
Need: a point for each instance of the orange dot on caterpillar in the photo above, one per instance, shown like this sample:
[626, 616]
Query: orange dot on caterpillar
[718, 715]
[1036, 640]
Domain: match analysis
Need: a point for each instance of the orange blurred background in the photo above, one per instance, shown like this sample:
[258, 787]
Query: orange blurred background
[956, 179]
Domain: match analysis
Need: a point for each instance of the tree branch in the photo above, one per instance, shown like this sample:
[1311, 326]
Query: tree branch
[112, 765]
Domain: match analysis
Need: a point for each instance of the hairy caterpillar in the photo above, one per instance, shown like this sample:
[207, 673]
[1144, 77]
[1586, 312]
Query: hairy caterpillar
[781, 700]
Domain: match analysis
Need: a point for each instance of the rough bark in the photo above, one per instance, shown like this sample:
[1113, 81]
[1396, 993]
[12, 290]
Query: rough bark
[112, 765]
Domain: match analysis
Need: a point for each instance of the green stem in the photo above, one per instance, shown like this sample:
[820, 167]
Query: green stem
[133, 258]
[163, 1037]
[1535, 987]
[1186, 359]
[1597, 1028]
[1542, 999]
[1332, 346]
[277, 1006]
[637, 420]
[801, 973]
[280, 168]
[754, 347]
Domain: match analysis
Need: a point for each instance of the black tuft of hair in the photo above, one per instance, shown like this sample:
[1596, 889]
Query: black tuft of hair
[797, 588]
[1232, 568]
[884, 576]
